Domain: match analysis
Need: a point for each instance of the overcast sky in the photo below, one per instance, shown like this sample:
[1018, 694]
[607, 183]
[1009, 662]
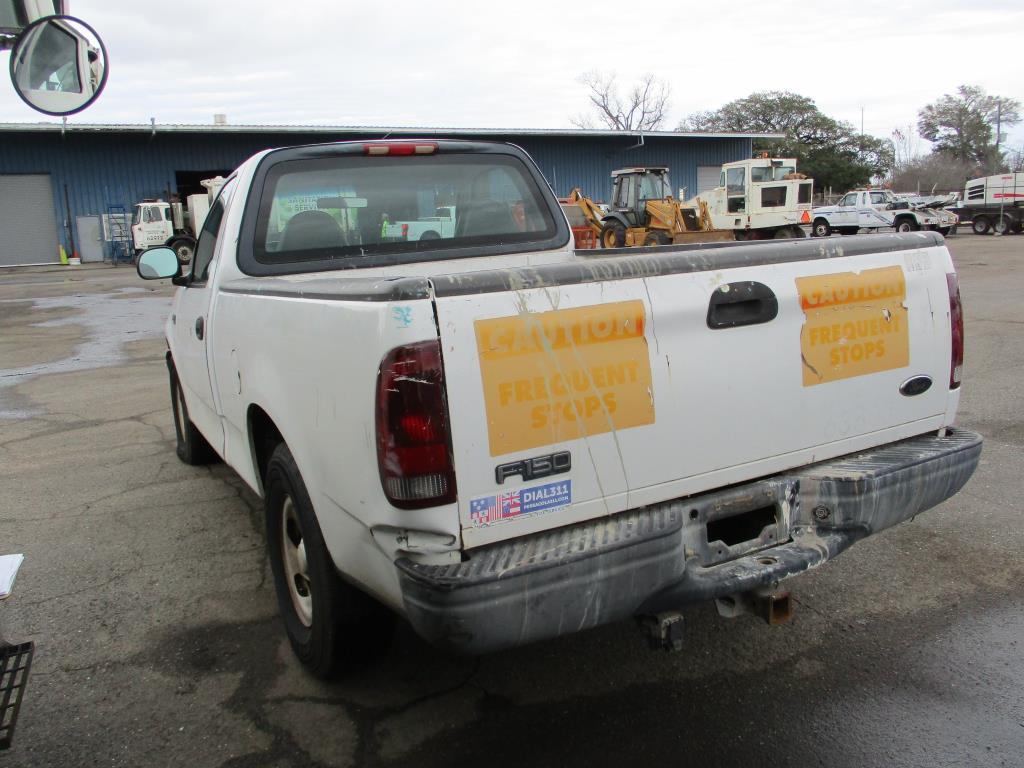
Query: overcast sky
[516, 64]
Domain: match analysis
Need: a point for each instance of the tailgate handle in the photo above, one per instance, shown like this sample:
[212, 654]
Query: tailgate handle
[745, 303]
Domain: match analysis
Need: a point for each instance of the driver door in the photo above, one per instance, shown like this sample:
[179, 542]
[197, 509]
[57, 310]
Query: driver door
[190, 322]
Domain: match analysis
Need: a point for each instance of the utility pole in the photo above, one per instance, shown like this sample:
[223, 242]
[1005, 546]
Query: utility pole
[999, 119]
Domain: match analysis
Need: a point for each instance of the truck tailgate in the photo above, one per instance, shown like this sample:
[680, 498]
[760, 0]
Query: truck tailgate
[586, 389]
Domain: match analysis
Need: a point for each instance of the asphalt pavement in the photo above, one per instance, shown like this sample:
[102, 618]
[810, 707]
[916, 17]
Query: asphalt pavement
[148, 594]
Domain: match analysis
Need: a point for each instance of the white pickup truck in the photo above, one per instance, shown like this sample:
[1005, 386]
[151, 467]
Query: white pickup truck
[504, 440]
[441, 224]
[873, 209]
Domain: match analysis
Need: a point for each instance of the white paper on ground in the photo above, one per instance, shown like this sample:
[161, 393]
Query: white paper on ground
[9, 565]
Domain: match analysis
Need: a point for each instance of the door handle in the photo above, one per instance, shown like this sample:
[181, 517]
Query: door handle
[200, 325]
[745, 303]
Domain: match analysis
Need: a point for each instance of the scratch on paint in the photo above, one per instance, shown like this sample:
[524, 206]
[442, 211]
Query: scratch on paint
[654, 326]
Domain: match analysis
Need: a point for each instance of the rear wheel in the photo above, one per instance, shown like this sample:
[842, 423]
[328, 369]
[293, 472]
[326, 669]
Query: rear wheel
[905, 225]
[331, 625]
[980, 225]
[184, 248]
[191, 446]
[944, 231]
[613, 235]
[821, 228]
[430, 235]
[1002, 225]
[783, 233]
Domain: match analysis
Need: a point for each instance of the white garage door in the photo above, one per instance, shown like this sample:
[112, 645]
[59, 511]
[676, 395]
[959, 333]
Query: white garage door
[707, 177]
[27, 222]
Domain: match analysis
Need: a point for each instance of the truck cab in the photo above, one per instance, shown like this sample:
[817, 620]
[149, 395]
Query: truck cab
[151, 224]
[761, 197]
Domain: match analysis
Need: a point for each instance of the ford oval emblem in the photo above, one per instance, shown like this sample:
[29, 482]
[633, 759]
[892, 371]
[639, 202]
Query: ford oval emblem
[915, 385]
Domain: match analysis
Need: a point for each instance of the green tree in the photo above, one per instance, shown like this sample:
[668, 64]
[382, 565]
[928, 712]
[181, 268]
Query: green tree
[828, 150]
[965, 125]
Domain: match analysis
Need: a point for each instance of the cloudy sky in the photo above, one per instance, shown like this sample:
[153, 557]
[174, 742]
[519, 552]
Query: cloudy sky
[516, 64]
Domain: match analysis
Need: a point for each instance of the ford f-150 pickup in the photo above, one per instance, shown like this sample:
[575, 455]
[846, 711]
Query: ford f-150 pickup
[503, 440]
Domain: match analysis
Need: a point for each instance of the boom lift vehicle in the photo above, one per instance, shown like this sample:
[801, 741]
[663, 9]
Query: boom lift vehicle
[760, 198]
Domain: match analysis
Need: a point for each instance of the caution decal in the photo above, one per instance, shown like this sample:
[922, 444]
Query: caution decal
[855, 324]
[555, 376]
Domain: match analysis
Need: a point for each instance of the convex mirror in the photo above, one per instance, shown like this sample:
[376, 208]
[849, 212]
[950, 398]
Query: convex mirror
[158, 264]
[59, 65]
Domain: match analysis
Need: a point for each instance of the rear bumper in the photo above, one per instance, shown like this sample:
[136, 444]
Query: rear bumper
[659, 558]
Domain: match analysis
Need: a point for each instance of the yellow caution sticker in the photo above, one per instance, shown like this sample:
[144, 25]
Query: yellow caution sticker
[856, 324]
[555, 376]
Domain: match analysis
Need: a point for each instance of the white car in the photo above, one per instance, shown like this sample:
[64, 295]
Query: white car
[876, 208]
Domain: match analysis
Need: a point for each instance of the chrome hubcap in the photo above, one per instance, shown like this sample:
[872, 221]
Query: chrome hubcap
[296, 569]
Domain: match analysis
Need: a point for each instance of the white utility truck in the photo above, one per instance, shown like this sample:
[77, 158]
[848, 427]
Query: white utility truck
[873, 209]
[760, 198]
[157, 222]
[503, 439]
[441, 224]
[994, 204]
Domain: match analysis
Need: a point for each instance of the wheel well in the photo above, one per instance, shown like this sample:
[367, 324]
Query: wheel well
[264, 437]
[615, 218]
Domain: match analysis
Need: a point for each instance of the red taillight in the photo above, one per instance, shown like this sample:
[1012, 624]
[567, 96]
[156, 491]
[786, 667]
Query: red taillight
[956, 331]
[401, 148]
[413, 437]
[405, 231]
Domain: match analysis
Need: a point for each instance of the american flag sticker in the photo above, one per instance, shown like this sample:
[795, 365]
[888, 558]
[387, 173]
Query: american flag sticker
[520, 502]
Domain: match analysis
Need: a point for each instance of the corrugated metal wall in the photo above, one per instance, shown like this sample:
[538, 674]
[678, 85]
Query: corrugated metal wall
[100, 169]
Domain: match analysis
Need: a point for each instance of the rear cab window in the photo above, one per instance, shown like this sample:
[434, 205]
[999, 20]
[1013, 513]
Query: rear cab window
[344, 209]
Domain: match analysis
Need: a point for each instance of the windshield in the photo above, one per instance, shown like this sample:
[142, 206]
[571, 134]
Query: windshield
[370, 206]
[654, 186]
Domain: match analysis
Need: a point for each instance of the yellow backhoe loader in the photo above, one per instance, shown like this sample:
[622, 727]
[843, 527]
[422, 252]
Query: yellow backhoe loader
[643, 212]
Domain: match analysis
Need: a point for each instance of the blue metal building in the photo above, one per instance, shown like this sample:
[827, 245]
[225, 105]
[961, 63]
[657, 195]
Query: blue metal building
[84, 171]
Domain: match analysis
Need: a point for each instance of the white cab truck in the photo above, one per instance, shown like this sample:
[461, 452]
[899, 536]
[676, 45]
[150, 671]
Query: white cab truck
[761, 198]
[994, 204]
[503, 440]
[157, 222]
[873, 209]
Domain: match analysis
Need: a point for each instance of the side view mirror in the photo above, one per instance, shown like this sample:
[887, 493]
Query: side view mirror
[158, 264]
[59, 65]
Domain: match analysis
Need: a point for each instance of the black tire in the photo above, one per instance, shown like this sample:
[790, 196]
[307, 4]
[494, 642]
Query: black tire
[849, 230]
[821, 228]
[331, 625]
[1003, 225]
[185, 248]
[613, 235]
[656, 238]
[980, 225]
[430, 235]
[191, 446]
[782, 233]
[905, 224]
[944, 231]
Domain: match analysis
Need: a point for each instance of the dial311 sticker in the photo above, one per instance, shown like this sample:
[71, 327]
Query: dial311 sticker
[520, 502]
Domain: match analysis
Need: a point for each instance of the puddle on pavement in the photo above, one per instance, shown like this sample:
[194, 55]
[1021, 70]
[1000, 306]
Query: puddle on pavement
[110, 320]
